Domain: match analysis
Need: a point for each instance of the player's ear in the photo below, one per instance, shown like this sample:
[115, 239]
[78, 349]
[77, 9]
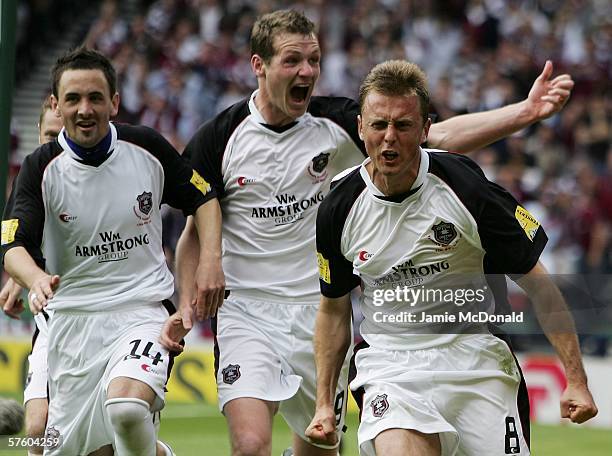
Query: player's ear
[425, 131]
[54, 105]
[115, 104]
[258, 66]
[359, 126]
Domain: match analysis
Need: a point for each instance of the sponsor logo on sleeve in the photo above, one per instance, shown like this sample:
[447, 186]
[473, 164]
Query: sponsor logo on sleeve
[9, 228]
[527, 221]
[199, 182]
[323, 268]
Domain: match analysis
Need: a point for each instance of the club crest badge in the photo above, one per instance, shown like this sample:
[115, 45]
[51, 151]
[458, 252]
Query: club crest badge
[379, 405]
[145, 202]
[143, 208]
[444, 233]
[231, 373]
[316, 169]
[53, 438]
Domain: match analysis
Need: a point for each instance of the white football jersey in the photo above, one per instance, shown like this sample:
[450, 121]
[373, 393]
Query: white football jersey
[270, 182]
[431, 262]
[99, 227]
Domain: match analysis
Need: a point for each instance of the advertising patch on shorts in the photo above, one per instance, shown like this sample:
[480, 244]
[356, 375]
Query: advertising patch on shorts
[199, 182]
[527, 221]
[323, 268]
[231, 373]
[9, 228]
[379, 405]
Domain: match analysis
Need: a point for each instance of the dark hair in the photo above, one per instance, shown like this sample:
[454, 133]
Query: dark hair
[272, 24]
[397, 77]
[83, 58]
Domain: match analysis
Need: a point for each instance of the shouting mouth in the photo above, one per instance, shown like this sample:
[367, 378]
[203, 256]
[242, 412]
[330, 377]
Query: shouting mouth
[299, 93]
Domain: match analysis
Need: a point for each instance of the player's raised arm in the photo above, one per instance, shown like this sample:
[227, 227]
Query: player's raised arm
[556, 320]
[472, 131]
[332, 339]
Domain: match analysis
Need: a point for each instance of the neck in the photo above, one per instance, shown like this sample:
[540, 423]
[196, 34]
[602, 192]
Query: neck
[396, 184]
[271, 114]
[92, 155]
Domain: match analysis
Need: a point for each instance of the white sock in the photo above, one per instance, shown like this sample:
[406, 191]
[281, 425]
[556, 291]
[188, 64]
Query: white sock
[133, 425]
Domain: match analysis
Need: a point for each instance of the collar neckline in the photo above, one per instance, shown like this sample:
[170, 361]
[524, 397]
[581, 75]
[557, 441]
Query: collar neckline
[400, 198]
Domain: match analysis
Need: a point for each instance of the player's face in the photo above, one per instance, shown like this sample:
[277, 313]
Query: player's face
[85, 105]
[287, 81]
[392, 129]
[50, 127]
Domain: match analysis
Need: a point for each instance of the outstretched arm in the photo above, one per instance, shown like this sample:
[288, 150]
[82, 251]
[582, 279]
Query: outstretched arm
[332, 339]
[556, 320]
[469, 132]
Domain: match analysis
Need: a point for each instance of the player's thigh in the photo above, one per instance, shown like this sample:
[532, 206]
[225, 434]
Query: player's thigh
[139, 366]
[407, 442]
[250, 356]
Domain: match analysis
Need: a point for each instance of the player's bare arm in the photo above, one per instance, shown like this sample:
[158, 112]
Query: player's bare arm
[332, 339]
[556, 320]
[209, 278]
[472, 131]
[11, 303]
[20, 265]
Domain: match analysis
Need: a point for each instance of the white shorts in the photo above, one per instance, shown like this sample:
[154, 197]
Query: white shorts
[466, 391]
[86, 352]
[264, 351]
[36, 382]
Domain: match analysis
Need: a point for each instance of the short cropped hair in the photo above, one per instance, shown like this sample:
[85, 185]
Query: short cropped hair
[273, 24]
[397, 77]
[83, 58]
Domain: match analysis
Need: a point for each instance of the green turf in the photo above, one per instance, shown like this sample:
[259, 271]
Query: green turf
[196, 430]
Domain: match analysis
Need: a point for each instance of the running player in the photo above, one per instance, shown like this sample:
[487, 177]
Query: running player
[270, 159]
[86, 208]
[412, 219]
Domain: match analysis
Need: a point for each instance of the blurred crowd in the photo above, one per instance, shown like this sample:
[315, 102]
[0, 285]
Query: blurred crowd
[182, 61]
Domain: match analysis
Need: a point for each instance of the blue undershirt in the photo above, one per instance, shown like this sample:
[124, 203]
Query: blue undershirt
[92, 156]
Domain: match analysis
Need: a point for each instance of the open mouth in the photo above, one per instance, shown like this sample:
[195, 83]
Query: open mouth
[85, 125]
[389, 155]
[299, 93]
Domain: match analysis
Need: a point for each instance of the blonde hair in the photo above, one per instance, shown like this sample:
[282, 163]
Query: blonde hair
[397, 77]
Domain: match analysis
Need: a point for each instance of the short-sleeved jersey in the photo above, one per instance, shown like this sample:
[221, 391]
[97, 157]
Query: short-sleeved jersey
[99, 227]
[270, 182]
[440, 239]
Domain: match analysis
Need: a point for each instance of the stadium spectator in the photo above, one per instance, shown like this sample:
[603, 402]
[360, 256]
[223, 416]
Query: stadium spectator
[422, 391]
[117, 397]
[284, 149]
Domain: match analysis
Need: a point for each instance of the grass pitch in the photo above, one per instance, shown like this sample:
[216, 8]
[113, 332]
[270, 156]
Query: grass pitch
[199, 430]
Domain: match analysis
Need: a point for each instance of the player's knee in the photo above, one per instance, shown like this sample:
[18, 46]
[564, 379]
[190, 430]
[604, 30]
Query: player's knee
[126, 413]
[250, 443]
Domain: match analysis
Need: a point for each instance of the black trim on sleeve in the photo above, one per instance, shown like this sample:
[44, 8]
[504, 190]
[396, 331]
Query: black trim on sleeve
[340, 110]
[206, 148]
[26, 202]
[331, 217]
[509, 250]
[179, 191]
